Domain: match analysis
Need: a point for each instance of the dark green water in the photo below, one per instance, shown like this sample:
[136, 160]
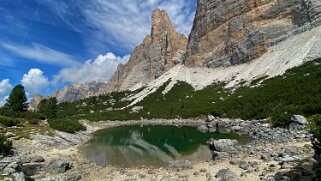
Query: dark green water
[151, 145]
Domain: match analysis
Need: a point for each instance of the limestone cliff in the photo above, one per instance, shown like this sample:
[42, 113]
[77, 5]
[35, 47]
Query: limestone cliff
[229, 32]
[160, 51]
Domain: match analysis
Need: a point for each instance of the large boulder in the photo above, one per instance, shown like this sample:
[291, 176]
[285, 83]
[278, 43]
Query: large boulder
[58, 166]
[222, 145]
[298, 123]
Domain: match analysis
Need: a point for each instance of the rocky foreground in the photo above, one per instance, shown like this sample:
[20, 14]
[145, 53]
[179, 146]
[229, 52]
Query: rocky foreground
[273, 154]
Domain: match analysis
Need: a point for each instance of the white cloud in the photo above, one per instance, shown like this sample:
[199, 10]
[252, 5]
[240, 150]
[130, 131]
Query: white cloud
[100, 69]
[40, 53]
[3, 100]
[122, 22]
[5, 88]
[34, 82]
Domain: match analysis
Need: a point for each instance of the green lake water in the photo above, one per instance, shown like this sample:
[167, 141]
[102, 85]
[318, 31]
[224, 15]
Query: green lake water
[151, 145]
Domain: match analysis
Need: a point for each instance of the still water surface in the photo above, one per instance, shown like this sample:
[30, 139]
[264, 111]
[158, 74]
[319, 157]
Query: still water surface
[151, 145]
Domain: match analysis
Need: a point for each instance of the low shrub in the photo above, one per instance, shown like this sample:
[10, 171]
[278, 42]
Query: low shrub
[66, 125]
[316, 139]
[5, 145]
[9, 122]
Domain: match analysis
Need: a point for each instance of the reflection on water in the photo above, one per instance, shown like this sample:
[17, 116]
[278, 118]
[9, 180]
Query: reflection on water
[150, 145]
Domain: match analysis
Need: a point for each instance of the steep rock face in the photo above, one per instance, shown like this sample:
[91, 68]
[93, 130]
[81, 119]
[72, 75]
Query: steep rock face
[80, 91]
[160, 51]
[229, 32]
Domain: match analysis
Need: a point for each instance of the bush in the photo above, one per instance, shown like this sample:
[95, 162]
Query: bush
[316, 139]
[66, 125]
[9, 122]
[48, 107]
[5, 145]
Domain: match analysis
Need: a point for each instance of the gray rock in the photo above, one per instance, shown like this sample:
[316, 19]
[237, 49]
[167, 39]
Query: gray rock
[299, 119]
[222, 145]
[58, 166]
[9, 171]
[227, 175]
[244, 165]
[74, 177]
[37, 158]
[294, 158]
[210, 118]
[203, 129]
[186, 164]
[203, 170]
[236, 128]
[19, 176]
[25, 159]
[53, 178]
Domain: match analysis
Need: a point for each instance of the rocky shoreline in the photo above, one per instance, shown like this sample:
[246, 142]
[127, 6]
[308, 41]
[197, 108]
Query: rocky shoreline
[271, 155]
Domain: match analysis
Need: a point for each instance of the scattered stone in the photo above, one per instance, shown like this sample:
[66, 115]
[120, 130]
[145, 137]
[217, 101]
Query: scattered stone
[244, 165]
[74, 177]
[236, 128]
[203, 170]
[180, 164]
[37, 159]
[243, 174]
[53, 178]
[294, 158]
[226, 175]
[210, 118]
[58, 166]
[265, 157]
[25, 159]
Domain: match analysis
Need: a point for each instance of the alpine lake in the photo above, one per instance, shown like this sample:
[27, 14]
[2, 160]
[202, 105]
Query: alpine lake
[152, 146]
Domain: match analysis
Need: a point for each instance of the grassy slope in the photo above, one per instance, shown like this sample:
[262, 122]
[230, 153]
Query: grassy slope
[298, 91]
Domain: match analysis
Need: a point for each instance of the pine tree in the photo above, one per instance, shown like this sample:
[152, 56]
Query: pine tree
[17, 99]
[48, 107]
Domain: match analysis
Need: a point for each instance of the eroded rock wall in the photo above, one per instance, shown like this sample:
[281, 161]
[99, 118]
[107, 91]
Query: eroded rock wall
[229, 32]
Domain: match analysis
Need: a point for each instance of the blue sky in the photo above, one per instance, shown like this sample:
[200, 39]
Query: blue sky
[47, 44]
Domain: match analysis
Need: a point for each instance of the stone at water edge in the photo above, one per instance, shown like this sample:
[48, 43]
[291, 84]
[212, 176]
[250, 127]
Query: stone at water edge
[58, 166]
[203, 129]
[209, 118]
[222, 145]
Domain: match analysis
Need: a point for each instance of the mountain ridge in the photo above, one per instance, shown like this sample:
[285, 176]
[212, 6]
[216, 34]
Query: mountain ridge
[164, 49]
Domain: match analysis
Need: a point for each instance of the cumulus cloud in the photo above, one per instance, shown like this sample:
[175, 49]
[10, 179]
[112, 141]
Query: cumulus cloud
[40, 53]
[99, 69]
[5, 88]
[124, 22]
[34, 82]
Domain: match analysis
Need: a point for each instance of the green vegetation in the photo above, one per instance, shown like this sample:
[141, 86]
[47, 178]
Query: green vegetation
[48, 107]
[5, 145]
[17, 99]
[316, 140]
[295, 92]
[66, 125]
